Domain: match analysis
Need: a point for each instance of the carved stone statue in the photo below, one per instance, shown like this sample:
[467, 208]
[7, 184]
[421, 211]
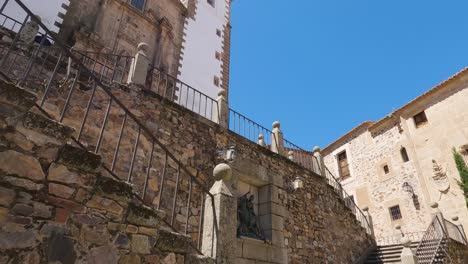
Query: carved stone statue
[29, 32]
[248, 225]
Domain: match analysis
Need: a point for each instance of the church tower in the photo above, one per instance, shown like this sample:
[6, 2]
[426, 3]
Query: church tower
[206, 51]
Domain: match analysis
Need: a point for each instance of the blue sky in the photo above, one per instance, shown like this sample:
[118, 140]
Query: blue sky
[323, 67]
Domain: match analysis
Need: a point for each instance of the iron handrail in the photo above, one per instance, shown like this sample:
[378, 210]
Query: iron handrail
[113, 100]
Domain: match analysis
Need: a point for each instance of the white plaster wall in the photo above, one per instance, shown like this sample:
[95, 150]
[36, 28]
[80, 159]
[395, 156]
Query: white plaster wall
[46, 9]
[199, 64]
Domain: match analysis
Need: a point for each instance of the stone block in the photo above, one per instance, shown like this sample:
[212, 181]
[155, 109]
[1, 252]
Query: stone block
[144, 216]
[148, 231]
[173, 242]
[78, 158]
[152, 259]
[15, 96]
[3, 214]
[140, 244]
[66, 204]
[53, 228]
[95, 234]
[41, 210]
[88, 219]
[6, 196]
[198, 259]
[15, 163]
[60, 173]
[61, 190]
[122, 241]
[22, 209]
[17, 240]
[104, 254]
[104, 204]
[48, 127]
[130, 259]
[116, 190]
[257, 250]
[23, 183]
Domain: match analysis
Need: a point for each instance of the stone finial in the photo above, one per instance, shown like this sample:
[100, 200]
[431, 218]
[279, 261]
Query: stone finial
[291, 155]
[276, 124]
[406, 242]
[407, 255]
[316, 149]
[222, 92]
[222, 171]
[140, 65]
[261, 140]
[222, 115]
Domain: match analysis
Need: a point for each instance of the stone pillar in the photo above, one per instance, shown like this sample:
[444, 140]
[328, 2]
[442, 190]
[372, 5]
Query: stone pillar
[222, 115]
[261, 140]
[365, 211]
[437, 213]
[277, 143]
[220, 220]
[321, 162]
[139, 67]
[29, 31]
[291, 155]
[408, 256]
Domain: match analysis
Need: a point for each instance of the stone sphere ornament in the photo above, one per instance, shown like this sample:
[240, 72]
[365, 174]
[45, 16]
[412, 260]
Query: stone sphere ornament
[222, 171]
[276, 124]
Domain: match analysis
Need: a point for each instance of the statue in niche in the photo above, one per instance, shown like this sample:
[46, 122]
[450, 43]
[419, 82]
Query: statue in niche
[247, 220]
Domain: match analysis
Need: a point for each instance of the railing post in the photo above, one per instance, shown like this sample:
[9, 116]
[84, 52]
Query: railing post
[223, 110]
[368, 217]
[321, 162]
[291, 155]
[139, 67]
[220, 218]
[437, 213]
[277, 143]
[408, 256]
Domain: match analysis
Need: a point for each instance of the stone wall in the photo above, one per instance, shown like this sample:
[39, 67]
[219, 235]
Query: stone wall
[56, 205]
[430, 171]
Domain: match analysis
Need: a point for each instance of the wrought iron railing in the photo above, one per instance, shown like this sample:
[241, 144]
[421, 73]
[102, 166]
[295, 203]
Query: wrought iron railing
[80, 95]
[249, 129]
[455, 232]
[433, 245]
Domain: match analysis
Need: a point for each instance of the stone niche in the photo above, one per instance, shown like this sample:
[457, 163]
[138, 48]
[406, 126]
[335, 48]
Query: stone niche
[249, 177]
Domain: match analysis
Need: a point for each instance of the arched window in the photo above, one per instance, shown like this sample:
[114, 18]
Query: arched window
[404, 154]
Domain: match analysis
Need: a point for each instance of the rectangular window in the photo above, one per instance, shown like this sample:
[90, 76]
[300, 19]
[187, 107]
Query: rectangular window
[218, 32]
[395, 213]
[138, 4]
[420, 119]
[211, 2]
[218, 56]
[404, 154]
[386, 169]
[343, 165]
[216, 81]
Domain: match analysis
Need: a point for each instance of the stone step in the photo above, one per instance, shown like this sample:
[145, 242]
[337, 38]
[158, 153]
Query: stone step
[198, 259]
[78, 158]
[13, 96]
[168, 241]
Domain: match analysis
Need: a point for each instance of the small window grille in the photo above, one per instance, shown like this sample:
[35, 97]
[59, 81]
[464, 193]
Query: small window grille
[395, 212]
[386, 169]
[138, 4]
[218, 32]
[420, 119]
[211, 2]
[216, 81]
[404, 154]
[218, 56]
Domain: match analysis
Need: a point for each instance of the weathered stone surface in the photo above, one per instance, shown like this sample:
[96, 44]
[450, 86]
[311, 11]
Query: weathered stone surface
[47, 127]
[144, 216]
[104, 204]
[86, 219]
[96, 235]
[12, 95]
[130, 259]
[78, 158]
[172, 242]
[24, 183]
[60, 249]
[140, 244]
[41, 210]
[60, 173]
[15, 163]
[148, 231]
[198, 259]
[31, 257]
[6, 196]
[152, 259]
[53, 228]
[122, 241]
[17, 240]
[22, 209]
[105, 254]
[116, 190]
[61, 190]
[66, 204]
[3, 214]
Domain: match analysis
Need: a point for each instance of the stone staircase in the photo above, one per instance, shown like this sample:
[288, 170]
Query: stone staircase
[56, 205]
[388, 254]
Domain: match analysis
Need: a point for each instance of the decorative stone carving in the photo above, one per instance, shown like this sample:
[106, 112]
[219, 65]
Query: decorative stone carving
[29, 32]
[248, 224]
[440, 178]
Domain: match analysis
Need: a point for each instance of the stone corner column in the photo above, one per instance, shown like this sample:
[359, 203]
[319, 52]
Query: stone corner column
[222, 114]
[321, 163]
[277, 143]
[408, 256]
[139, 67]
[220, 221]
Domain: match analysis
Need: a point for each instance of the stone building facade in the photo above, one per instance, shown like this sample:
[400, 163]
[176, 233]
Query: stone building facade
[402, 163]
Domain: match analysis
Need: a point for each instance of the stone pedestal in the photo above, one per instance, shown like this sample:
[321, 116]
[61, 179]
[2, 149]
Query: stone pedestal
[220, 222]
[222, 117]
[139, 67]
[277, 143]
[321, 163]
[407, 255]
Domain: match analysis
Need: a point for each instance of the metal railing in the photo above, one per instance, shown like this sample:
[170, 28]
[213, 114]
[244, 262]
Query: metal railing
[183, 94]
[75, 89]
[455, 232]
[433, 245]
[248, 128]
[396, 239]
